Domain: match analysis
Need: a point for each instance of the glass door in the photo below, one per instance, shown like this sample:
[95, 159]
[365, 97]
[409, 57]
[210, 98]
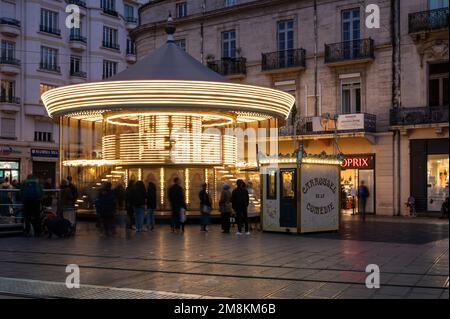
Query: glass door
[367, 177]
[437, 177]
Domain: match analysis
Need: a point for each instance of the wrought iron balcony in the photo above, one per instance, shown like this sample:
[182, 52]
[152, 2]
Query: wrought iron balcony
[419, 115]
[49, 67]
[109, 45]
[78, 38]
[8, 60]
[345, 123]
[10, 21]
[79, 74]
[362, 49]
[77, 2]
[47, 29]
[131, 20]
[9, 99]
[110, 12]
[229, 66]
[294, 58]
[427, 21]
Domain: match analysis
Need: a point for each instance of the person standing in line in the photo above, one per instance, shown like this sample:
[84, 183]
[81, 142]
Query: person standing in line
[107, 204]
[151, 205]
[225, 208]
[128, 204]
[138, 198]
[363, 194]
[240, 201]
[177, 204]
[205, 207]
[31, 195]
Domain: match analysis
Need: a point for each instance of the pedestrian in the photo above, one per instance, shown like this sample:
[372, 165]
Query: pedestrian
[31, 194]
[151, 205]
[73, 188]
[240, 201]
[225, 208]
[65, 201]
[128, 204]
[47, 200]
[363, 194]
[178, 205]
[444, 209]
[138, 197]
[205, 207]
[106, 208]
[411, 204]
[119, 193]
[17, 201]
[353, 194]
[5, 197]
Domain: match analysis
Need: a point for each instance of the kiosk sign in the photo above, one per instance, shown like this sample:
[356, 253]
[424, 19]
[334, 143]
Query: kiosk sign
[319, 188]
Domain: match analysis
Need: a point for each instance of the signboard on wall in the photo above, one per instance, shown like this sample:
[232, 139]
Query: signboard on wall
[350, 122]
[44, 153]
[319, 191]
[358, 162]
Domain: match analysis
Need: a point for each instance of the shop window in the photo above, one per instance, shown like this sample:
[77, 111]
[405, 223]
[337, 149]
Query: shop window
[438, 84]
[271, 184]
[437, 181]
[288, 184]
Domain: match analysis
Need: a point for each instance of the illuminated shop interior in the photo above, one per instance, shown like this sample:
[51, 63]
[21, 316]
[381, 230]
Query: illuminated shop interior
[166, 116]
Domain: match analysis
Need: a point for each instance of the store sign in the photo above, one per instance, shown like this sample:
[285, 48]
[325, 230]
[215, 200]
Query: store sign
[44, 153]
[319, 198]
[359, 162]
[350, 122]
[8, 150]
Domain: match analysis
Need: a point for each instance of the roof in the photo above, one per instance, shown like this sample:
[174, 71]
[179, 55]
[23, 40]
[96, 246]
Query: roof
[168, 62]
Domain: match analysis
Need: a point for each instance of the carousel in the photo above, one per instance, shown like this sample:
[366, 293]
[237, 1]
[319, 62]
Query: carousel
[166, 116]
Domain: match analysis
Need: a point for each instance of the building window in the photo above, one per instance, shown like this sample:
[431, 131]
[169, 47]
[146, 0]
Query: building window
[437, 4]
[109, 5]
[75, 32]
[351, 28]
[49, 21]
[181, 43]
[131, 47]
[43, 132]
[75, 65]
[129, 14]
[181, 9]
[8, 50]
[285, 35]
[8, 128]
[229, 44]
[7, 91]
[351, 97]
[230, 3]
[45, 87]
[438, 84]
[109, 69]
[49, 59]
[110, 38]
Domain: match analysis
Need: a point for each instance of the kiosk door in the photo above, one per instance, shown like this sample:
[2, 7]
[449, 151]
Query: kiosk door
[288, 198]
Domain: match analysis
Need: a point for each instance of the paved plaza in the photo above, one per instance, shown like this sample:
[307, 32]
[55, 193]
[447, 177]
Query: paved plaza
[412, 255]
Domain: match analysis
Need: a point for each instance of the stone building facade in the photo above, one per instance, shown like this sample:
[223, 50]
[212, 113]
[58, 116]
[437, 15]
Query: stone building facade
[354, 85]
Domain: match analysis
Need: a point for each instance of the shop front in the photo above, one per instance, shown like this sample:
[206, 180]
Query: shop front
[10, 169]
[356, 170]
[429, 182]
[44, 164]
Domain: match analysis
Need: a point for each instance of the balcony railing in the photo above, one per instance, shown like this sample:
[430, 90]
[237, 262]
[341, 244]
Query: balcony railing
[49, 67]
[131, 51]
[77, 2]
[8, 60]
[109, 45]
[349, 50]
[111, 12]
[78, 38]
[79, 74]
[283, 59]
[345, 123]
[47, 29]
[229, 66]
[10, 21]
[9, 99]
[131, 20]
[419, 115]
[427, 21]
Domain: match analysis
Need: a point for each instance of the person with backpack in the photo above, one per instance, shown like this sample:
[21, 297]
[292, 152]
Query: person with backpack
[31, 195]
[240, 200]
[363, 194]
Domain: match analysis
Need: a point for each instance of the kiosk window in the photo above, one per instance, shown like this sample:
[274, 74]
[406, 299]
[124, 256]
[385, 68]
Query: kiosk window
[287, 180]
[272, 185]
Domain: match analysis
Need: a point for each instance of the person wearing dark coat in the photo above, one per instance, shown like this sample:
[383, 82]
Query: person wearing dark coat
[138, 198]
[240, 201]
[176, 199]
[151, 205]
[128, 205]
[106, 205]
[225, 208]
[205, 207]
